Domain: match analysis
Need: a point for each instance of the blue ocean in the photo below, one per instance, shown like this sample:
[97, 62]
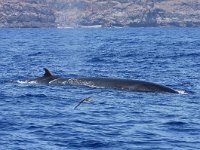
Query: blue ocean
[42, 117]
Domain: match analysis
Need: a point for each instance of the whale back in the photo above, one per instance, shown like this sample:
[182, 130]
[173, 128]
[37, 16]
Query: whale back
[121, 84]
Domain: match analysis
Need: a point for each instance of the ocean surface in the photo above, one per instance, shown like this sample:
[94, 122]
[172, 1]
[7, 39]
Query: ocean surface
[42, 117]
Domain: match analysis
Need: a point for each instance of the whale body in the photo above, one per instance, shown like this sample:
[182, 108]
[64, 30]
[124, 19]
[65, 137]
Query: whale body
[114, 83]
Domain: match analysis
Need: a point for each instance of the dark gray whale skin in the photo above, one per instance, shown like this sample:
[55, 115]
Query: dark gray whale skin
[121, 84]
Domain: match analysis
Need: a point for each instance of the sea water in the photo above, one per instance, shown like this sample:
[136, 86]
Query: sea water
[36, 116]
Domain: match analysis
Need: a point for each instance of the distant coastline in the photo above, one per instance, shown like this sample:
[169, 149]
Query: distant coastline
[99, 14]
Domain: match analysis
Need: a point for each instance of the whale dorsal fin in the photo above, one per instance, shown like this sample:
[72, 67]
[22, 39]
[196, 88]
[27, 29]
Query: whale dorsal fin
[47, 73]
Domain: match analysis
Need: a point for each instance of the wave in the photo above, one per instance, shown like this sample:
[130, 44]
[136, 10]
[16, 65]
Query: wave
[33, 95]
[35, 54]
[175, 123]
[182, 92]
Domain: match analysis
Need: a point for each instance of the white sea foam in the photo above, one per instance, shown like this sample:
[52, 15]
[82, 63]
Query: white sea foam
[181, 92]
[22, 82]
[26, 81]
[53, 81]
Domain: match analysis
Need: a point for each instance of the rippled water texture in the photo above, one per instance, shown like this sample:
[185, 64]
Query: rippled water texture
[34, 116]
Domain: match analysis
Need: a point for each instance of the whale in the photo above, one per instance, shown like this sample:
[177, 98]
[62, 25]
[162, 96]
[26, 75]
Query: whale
[103, 82]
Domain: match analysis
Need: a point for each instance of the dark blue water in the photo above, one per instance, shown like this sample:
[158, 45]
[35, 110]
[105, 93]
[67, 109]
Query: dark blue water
[42, 117]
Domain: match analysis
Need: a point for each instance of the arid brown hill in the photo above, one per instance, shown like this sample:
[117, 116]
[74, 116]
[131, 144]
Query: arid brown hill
[103, 13]
[26, 13]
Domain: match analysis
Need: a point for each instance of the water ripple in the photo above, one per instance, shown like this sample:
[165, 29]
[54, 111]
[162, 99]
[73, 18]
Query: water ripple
[34, 116]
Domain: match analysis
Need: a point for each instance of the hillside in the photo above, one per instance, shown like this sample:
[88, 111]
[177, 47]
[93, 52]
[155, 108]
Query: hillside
[26, 13]
[101, 13]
